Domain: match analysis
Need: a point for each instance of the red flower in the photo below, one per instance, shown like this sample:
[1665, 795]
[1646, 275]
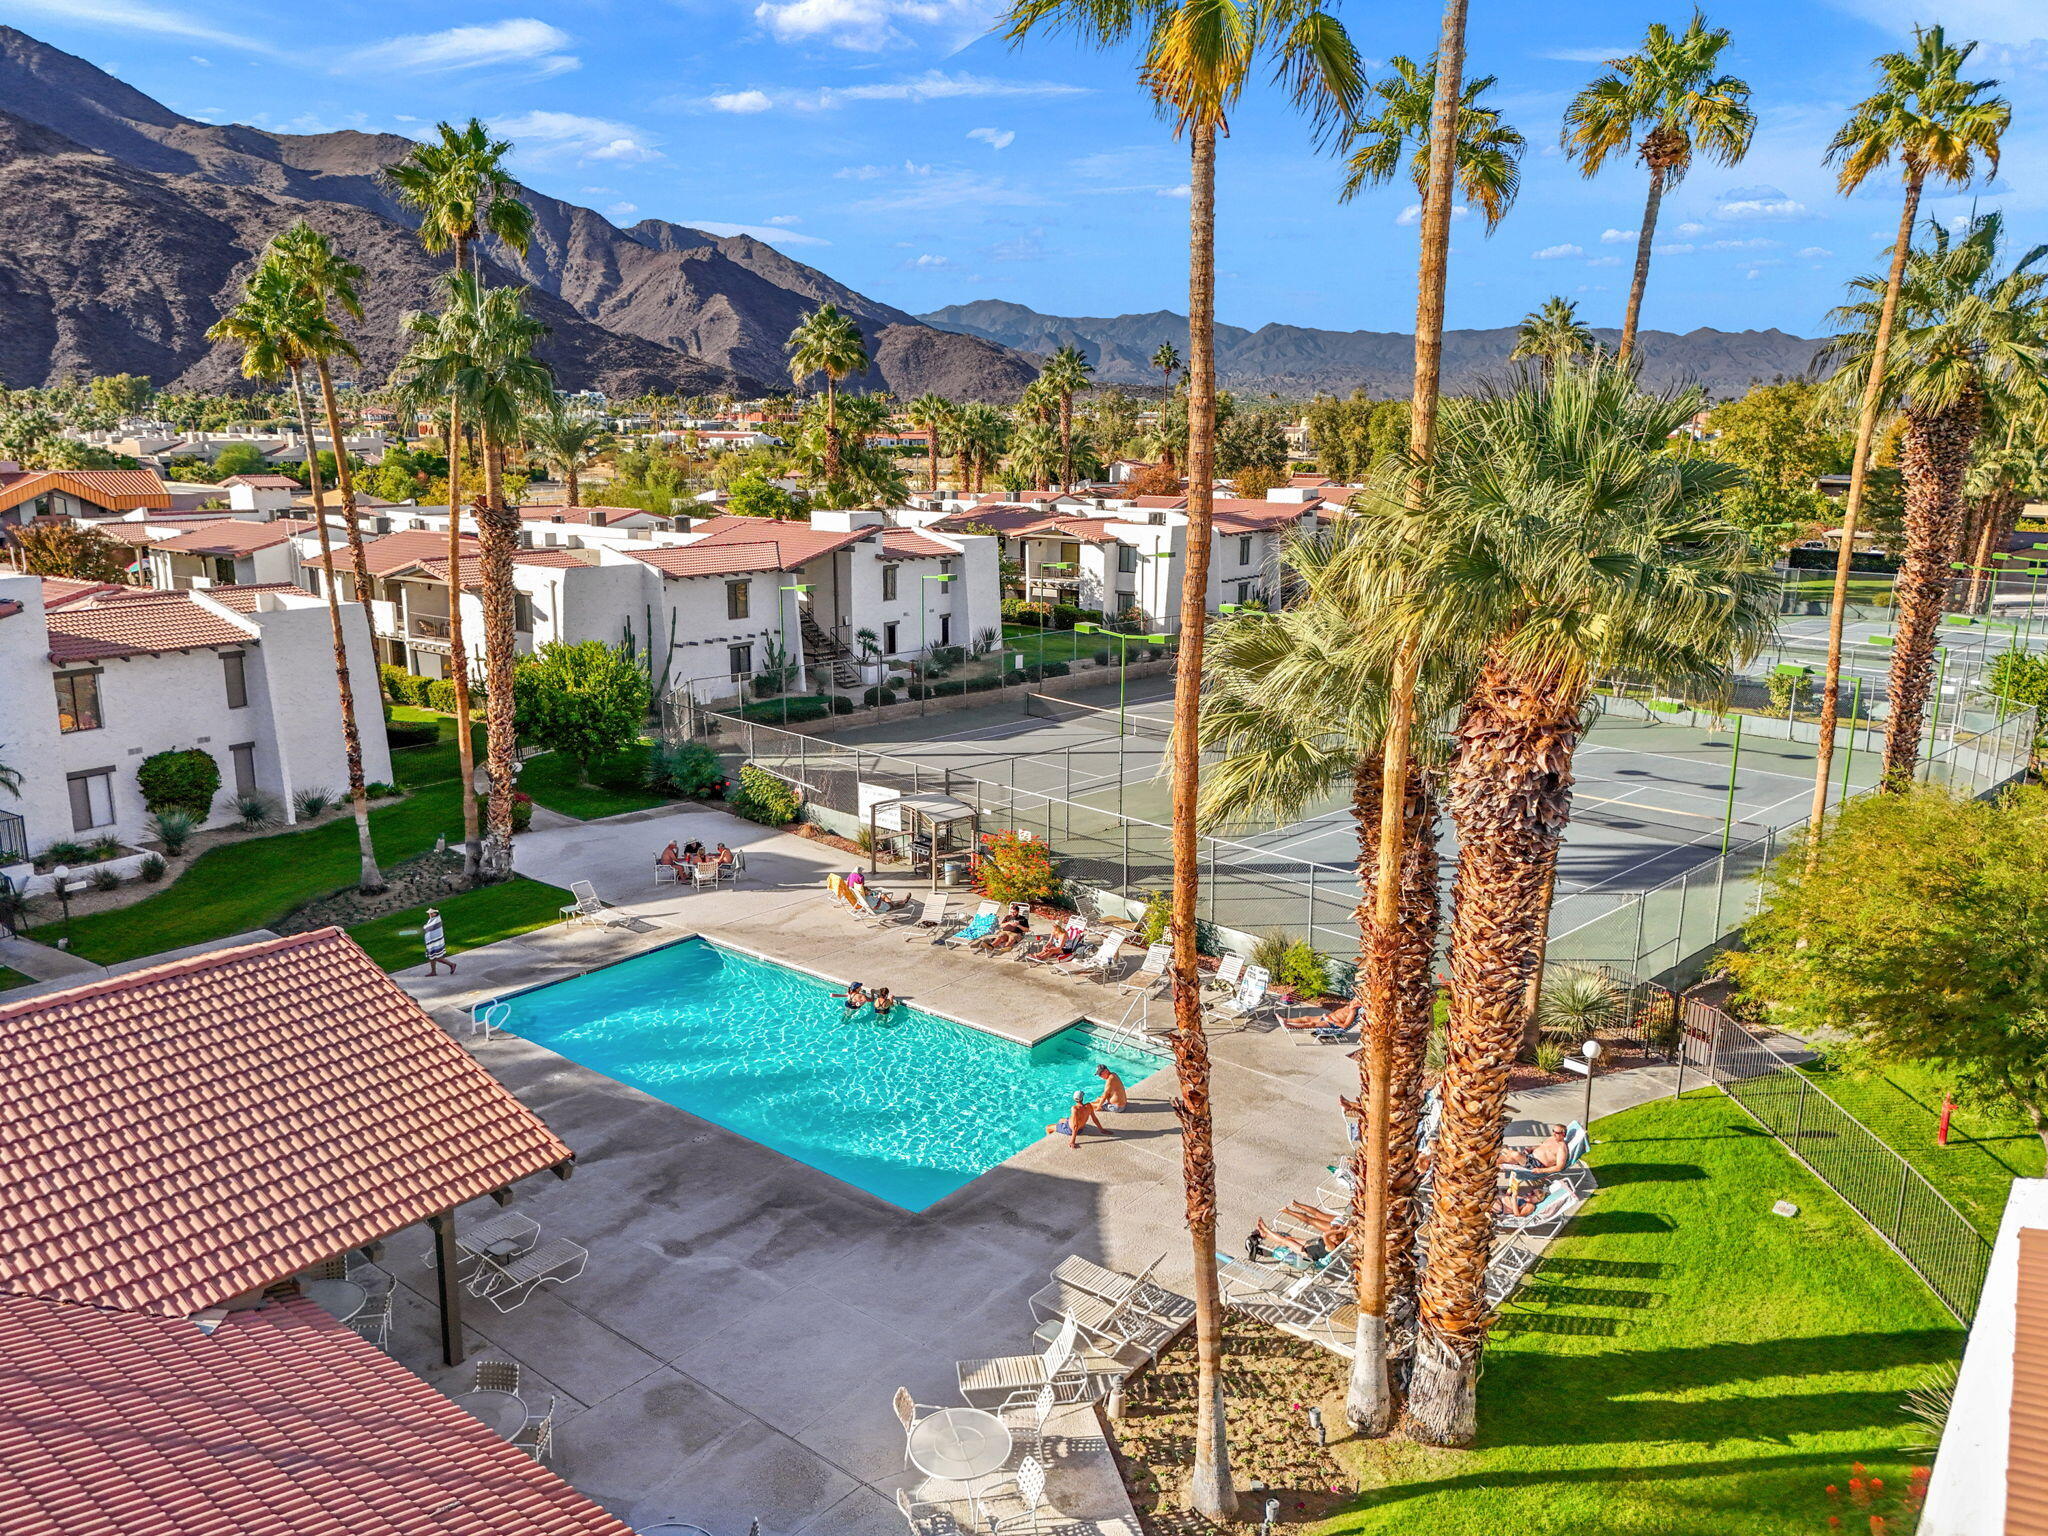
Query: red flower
[1834, 1522]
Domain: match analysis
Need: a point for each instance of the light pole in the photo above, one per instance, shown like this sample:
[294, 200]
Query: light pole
[799, 588]
[62, 875]
[1591, 1051]
[1123, 662]
[923, 650]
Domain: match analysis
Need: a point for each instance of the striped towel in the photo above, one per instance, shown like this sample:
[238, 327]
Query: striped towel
[433, 937]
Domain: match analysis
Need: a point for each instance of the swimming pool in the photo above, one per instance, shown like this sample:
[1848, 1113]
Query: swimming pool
[909, 1107]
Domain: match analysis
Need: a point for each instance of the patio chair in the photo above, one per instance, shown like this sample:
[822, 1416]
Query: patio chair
[1070, 937]
[335, 1268]
[908, 1410]
[925, 1519]
[536, 1436]
[735, 869]
[1249, 1000]
[1507, 1269]
[1151, 970]
[1229, 971]
[667, 874]
[933, 911]
[373, 1321]
[1017, 1378]
[1097, 961]
[505, 1286]
[1026, 1423]
[1272, 1296]
[510, 1233]
[587, 908]
[1014, 1503]
[497, 1376]
[1557, 1206]
[866, 905]
[1115, 1285]
[1114, 1323]
[979, 926]
[703, 876]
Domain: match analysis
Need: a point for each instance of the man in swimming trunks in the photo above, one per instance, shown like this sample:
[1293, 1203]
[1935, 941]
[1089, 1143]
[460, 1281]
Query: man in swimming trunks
[1113, 1094]
[725, 856]
[669, 856]
[1082, 1117]
[1548, 1156]
[1009, 932]
[1312, 1250]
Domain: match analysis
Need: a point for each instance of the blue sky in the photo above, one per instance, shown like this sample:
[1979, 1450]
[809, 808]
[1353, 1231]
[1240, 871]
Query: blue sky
[900, 147]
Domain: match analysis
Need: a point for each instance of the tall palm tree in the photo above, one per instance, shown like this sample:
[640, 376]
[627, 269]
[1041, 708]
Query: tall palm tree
[981, 432]
[1564, 544]
[567, 444]
[1167, 360]
[461, 190]
[1966, 335]
[828, 342]
[1553, 335]
[1489, 160]
[1937, 126]
[1196, 57]
[934, 415]
[1066, 372]
[324, 278]
[282, 326]
[1035, 453]
[2002, 480]
[1668, 93]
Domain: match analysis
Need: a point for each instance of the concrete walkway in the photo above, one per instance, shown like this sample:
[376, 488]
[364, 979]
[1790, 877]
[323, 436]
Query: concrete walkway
[45, 962]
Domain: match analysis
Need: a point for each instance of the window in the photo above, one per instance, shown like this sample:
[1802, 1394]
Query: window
[945, 629]
[522, 612]
[1126, 558]
[889, 637]
[1245, 591]
[234, 666]
[92, 798]
[738, 596]
[889, 573]
[739, 659]
[243, 760]
[1070, 556]
[78, 701]
[1244, 549]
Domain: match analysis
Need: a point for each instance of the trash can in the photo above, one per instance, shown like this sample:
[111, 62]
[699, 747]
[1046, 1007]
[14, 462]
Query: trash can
[952, 872]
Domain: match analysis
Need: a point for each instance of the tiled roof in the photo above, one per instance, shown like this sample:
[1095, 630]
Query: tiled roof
[1235, 516]
[118, 489]
[909, 544]
[60, 590]
[243, 598]
[794, 543]
[130, 621]
[719, 560]
[397, 550]
[280, 1423]
[130, 533]
[264, 482]
[542, 513]
[234, 536]
[186, 1134]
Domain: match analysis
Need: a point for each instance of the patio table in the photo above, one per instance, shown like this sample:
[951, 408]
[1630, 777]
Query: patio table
[341, 1299]
[958, 1445]
[505, 1412]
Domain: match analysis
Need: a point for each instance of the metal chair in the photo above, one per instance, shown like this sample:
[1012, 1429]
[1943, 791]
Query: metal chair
[497, 1376]
[910, 1411]
[335, 1268]
[926, 1519]
[373, 1322]
[536, 1436]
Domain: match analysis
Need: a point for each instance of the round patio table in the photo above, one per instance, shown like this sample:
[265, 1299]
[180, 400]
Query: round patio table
[338, 1298]
[959, 1444]
[505, 1412]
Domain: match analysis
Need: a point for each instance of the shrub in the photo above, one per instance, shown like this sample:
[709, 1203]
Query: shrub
[1549, 1058]
[793, 711]
[880, 694]
[1103, 657]
[311, 802]
[101, 848]
[1016, 866]
[440, 696]
[1574, 1004]
[14, 906]
[983, 684]
[1152, 922]
[257, 809]
[952, 688]
[687, 768]
[1303, 969]
[584, 701]
[151, 869]
[400, 686]
[1056, 669]
[1016, 677]
[1270, 951]
[66, 851]
[182, 781]
[104, 879]
[400, 734]
[945, 656]
[762, 797]
[173, 829]
[841, 704]
[522, 811]
[382, 791]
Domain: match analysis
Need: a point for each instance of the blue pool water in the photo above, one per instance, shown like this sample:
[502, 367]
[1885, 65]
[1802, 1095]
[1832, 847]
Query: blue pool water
[909, 1107]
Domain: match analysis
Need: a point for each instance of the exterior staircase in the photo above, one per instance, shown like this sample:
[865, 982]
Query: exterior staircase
[823, 653]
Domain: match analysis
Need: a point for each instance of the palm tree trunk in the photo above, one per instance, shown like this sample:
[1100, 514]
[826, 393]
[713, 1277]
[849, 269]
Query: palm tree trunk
[932, 458]
[831, 431]
[1645, 237]
[1852, 510]
[1066, 441]
[1408, 1057]
[1210, 1489]
[458, 663]
[573, 483]
[498, 527]
[370, 878]
[1934, 455]
[1510, 800]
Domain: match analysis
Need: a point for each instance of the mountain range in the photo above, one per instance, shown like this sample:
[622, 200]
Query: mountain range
[1297, 359]
[126, 228]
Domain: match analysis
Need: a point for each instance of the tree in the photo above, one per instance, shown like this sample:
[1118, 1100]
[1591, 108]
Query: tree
[982, 433]
[240, 459]
[71, 550]
[1968, 335]
[1035, 453]
[1936, 124]
[282, 326]
[1252, 439]
[120, 394]
[1254, 481]
[1197, 57]
[1669, 94]
[1553, 335]
[1157, 480]
[1489, 158]
[756, 496]
[585, 701]
[1066, 373]
[566, 444]
[934, 415]
[1167, 360]
[1113, 423]
[828, 342]
[1917, 931]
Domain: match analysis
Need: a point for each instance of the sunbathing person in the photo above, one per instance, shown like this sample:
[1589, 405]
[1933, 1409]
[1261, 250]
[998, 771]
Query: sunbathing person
[1312, 1216]
[1337, 1021]
[1059, 946]
[882, 900]
[1010, 932]
[1311, 1250]
[1521, 1200]
[1083, 1117]
[1114, 1095]
[1551, 1155]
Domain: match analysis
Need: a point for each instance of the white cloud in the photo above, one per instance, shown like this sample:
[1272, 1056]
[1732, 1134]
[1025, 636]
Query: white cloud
[202, 63]
[1743, 245]
[1603, 261]
[864, 26]
[740, 101]
[877, 172]
[768, 234]
[1181, 191]
[1815, 252]
[928, 262]
[926, 190]
[134, 16]
[1556, 252]
[1412, 214]
[994, 138]
[1617, 236]
[621, 210]
[1747, 204]
[784, 220]
[542, 134]
[1582, 55]
[1675, 248]
[515, 40]
[1690, 228]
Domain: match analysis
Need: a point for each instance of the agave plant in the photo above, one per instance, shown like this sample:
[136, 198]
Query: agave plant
[1928, 1404]
[1576, 1004]
[173, 829]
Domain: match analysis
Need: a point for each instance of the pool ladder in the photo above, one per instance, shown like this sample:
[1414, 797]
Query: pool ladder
[1132, 1029]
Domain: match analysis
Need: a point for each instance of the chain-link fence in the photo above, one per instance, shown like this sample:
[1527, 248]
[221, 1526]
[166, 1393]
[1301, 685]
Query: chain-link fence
[1922, 1227]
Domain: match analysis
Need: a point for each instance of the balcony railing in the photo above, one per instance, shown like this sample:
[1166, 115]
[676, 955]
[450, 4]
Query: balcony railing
[426, 628]
[13, 838]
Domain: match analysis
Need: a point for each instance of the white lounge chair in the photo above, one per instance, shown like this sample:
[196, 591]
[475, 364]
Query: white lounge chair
[587, 908]
[1097, 961]
[1015, 1379]
[846, 900]
[1073, 935]
[1249, 1000]
[506, 1285]
[977, 927]
[1119, 1322]
[927, 912]
[1559, 1203]
[1151, 970]
[1114, 1284]
[1229, 971]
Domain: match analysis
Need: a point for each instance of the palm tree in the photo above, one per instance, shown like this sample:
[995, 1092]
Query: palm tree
[1553, 335]
[828, 342]
[282, 326]
[1936, 125]
[324, 278]
[1196, 58]
[461, 191]
[567, 444]
[1113, 422]
[1066, 373]
[1563, 544]
[2002, 480]
[1035, 453]
[982, 432]
[1489, 160]
[1669, 94]
[1167, 360]
[934, 414]
[1966, 336]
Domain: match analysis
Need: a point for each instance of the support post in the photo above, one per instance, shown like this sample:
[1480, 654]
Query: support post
[449, 1285]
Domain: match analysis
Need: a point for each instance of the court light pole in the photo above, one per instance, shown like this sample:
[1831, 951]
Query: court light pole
[1124, 643]
[1728, 822]
[924, 649]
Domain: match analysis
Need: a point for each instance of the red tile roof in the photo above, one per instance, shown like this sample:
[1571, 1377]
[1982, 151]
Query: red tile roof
[131, 533]
[280, 1423]
[234, 536]
[793, 543]
[243, 598]
[121, 490]
[909, 544]
[191, 1132]
[541, 513]
[397, 550]
[719, 560]
[134, 622]
[59, 590]
[264, 482]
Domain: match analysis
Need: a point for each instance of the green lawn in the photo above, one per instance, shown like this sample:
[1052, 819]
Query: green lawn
[12, 978]
[469, 918]
[614, 785]
[1686, 1363]
[1061, 644]
[1988, 1147]
[414, 766]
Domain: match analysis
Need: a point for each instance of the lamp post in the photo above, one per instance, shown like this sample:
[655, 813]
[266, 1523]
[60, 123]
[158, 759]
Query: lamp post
[923, 650]
[1123, 662]
[62, 875]
[799, 588]
[1591, 1051]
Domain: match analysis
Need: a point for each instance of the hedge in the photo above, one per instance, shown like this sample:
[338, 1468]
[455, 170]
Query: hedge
[180, 781]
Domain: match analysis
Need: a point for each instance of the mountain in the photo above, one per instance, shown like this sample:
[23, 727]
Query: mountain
[125, 228]
[1295, 359]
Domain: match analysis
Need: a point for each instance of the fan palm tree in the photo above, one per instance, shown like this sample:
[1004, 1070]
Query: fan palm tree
[567, 444]
[2002, 480]
[828, 342]
[1167, 360]
[933, 414]
[1034, 455]
[1937, 126]
[1489, 159]
[1560, 542]
[1553, 335]
[461, 190]
[1668, 93]
[1196, 57]
[982, 433]
[324, 278]
[1966, 335]
[282, 328]
[1066, 373]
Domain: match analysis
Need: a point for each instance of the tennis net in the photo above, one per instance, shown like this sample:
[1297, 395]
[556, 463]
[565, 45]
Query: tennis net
[1134, 723]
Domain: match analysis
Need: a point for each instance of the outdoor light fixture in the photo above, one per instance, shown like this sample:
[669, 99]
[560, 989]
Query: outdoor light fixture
[1591, 1051]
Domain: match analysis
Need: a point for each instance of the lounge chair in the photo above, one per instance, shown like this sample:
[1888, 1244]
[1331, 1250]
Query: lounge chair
[1113, 1323]
[506, 1285]
[866, 903]
[1015, 1379]
[1151, 970]
[1275, 1296]
[1114, 1284]
[979, 926]
[1068, 940]
[1507, 1269]
[1557, 1206]
[1097, 961]
[845, 898]
[1249, 1000]
[1228, 973]
[587, 908]
[932, 911]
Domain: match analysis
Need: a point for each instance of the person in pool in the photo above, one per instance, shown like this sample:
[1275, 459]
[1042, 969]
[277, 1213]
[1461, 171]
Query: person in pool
[855, 995]
[1114, 1095]
[882, 1001]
